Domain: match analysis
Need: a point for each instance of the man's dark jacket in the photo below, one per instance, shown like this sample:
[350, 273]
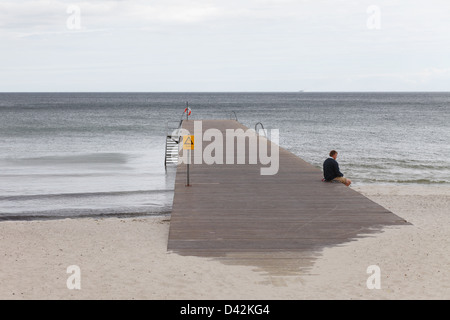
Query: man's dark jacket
[331, 169]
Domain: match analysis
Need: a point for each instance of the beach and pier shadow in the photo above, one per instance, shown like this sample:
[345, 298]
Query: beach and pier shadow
[128, 259]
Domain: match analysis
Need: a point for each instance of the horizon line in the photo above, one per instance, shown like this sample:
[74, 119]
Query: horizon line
[299, 91]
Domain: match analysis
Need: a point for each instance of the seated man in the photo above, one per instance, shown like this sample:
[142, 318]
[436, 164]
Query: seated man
[331, 170]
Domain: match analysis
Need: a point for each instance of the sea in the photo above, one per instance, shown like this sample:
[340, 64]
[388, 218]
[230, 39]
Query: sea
[71, 155]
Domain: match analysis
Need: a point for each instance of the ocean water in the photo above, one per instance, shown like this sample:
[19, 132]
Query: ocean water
[102, 154]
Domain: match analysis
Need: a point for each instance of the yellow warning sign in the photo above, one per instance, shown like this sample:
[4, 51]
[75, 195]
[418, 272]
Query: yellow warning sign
[188, 142]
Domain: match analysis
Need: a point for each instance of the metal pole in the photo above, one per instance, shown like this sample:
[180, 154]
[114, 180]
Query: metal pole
[187, 110]
[188, 162]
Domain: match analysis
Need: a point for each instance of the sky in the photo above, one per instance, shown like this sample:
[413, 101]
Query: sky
[224, 46]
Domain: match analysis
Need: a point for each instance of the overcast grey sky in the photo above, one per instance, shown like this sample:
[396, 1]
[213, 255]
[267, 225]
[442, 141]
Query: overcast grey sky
[233, 45]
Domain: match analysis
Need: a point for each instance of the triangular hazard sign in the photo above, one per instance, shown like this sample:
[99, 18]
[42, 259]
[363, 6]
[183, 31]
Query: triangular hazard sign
[188, 143]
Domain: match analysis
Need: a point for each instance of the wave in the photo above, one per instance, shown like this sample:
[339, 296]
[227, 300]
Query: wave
[98, 158]
[82, 195]
[55, 215]
[405, 181]
[63, 175]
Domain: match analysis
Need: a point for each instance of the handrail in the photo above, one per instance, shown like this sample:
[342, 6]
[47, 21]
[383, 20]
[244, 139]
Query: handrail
[256, 127]
[181, 120]
[235, 116]
[170, 130]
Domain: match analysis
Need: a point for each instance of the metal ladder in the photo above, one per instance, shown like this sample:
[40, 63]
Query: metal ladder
[235, 116]
[173, 138]
[262, 127]
[172, 143]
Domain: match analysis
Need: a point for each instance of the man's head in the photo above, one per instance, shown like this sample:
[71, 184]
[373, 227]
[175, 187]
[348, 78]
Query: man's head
[333, 154]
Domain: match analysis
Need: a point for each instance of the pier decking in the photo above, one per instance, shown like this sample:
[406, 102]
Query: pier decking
[234, 210]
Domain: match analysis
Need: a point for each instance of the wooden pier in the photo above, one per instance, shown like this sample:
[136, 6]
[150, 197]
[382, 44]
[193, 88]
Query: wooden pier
[232, 211]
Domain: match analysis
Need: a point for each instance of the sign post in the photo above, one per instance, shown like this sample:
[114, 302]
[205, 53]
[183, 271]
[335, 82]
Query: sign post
[188, 144]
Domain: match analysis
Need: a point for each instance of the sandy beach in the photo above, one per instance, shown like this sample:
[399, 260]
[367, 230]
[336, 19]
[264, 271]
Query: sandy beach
[127, 259]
